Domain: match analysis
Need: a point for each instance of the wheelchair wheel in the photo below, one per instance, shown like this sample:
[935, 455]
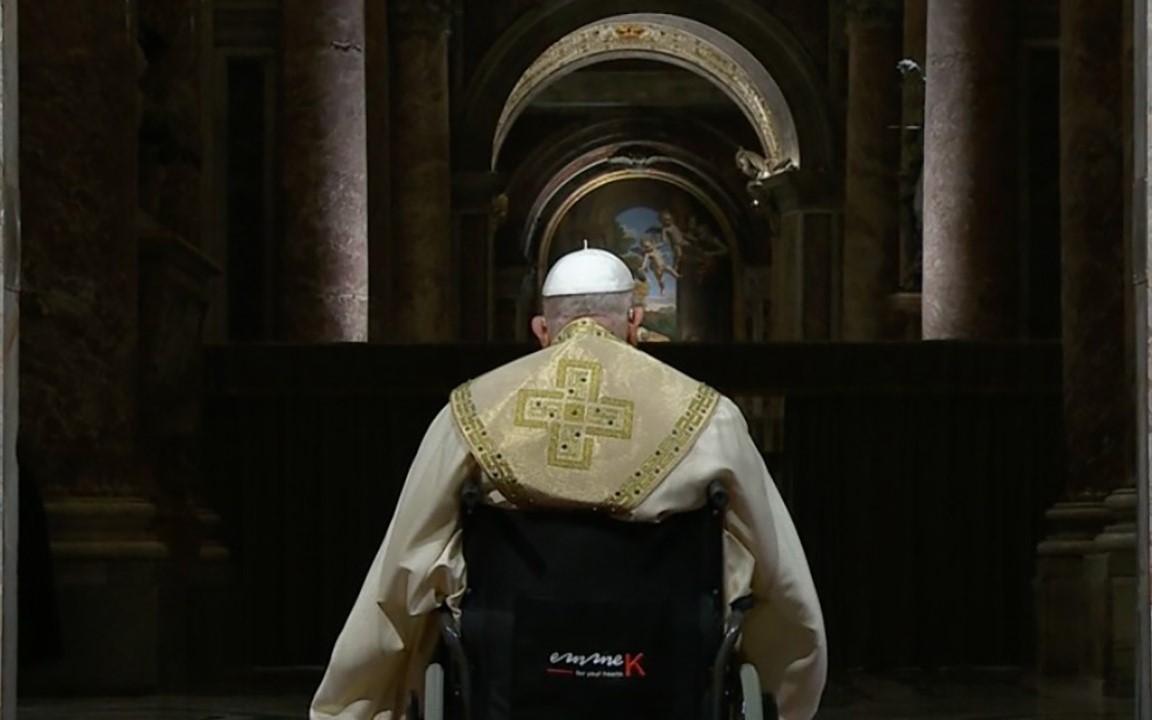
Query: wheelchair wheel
[434, 692]
[752, 702]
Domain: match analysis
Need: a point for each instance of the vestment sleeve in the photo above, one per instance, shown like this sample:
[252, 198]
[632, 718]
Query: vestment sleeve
[784, 633]
[379, 656]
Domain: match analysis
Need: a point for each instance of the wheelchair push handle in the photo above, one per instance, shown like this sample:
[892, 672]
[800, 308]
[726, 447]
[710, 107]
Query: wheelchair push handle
[717, 496]
[470, 495]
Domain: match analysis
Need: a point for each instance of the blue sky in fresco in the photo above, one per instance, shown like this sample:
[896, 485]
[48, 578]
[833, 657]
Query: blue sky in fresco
[636, 222]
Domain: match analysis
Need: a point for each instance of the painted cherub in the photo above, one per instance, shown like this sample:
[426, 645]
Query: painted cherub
[653, 258]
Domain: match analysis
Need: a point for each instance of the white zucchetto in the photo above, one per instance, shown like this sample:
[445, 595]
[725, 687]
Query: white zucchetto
[590, 271]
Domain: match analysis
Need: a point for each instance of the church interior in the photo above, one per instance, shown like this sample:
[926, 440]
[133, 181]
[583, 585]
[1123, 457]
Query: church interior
[259, 241]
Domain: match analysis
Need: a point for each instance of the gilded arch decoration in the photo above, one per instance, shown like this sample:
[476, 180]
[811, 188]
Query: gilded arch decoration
[674, 40]
[539, 228]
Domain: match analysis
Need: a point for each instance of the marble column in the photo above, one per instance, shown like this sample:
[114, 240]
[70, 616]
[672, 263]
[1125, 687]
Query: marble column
[324, 258]
[792, 293]
[175, 281]
[515, 303]
[970, 269]
[171, 132]
[1097, 387]
[79, 259]
[79, 109]
[871, 214]
[757, 297]
[1141, 294]
[174, 300]
[795, 299]
[378, 90]
[479, 208]
[9, 356]
[424, 299]
[818, 295]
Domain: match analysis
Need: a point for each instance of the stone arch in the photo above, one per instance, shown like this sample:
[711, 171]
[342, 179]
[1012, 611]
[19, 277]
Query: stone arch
[619, 143]
[691, 181]
[678, 41]
[677, 152]
[746, 34]
[656, 160]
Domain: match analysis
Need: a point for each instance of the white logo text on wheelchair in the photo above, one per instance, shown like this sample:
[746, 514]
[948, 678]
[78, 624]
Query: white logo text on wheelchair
[596, 665]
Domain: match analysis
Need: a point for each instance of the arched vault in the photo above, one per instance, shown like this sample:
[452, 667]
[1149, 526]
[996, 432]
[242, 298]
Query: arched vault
[676, 40]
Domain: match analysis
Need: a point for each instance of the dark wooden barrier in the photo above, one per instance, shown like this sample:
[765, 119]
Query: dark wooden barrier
[917, 474]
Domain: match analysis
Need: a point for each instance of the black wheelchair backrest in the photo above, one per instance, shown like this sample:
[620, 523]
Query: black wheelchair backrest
[573, 614]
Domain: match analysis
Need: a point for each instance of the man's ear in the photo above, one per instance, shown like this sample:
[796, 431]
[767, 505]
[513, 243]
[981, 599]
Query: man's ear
[635, 317]
[540, 330]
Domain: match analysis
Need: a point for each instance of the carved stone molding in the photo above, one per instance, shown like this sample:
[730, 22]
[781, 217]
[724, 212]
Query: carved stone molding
[1073, 527]
[104, 529]
[421, 16]
[647, 39]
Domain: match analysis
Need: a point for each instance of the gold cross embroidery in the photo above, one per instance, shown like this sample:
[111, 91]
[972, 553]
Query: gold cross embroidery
[574, 414]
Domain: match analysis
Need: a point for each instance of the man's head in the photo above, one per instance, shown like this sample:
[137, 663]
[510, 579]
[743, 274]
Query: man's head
[593, 284]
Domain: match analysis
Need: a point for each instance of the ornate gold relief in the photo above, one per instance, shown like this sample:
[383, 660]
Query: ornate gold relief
[630, 31]
[609, 38]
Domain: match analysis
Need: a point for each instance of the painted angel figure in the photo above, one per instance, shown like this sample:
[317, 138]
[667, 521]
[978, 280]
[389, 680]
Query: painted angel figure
[653, 259]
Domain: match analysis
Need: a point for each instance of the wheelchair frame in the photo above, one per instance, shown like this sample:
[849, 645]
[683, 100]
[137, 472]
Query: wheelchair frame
[735, 695]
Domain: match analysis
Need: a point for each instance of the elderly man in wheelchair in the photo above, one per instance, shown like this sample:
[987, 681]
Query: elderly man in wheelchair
[585, 533]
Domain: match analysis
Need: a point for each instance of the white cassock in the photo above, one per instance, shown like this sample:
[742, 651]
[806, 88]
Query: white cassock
[560, 428]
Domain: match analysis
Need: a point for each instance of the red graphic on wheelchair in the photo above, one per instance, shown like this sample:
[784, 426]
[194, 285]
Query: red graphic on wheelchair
[596, 665]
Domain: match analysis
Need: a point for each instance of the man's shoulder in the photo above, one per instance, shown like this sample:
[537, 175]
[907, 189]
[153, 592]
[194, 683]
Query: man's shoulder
[727, 414]
[519, 367]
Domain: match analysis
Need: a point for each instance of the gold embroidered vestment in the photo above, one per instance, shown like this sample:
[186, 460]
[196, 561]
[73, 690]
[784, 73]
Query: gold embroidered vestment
[589, 421]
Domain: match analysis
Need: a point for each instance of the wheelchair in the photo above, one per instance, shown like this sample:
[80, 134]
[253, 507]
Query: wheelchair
[574, 615]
